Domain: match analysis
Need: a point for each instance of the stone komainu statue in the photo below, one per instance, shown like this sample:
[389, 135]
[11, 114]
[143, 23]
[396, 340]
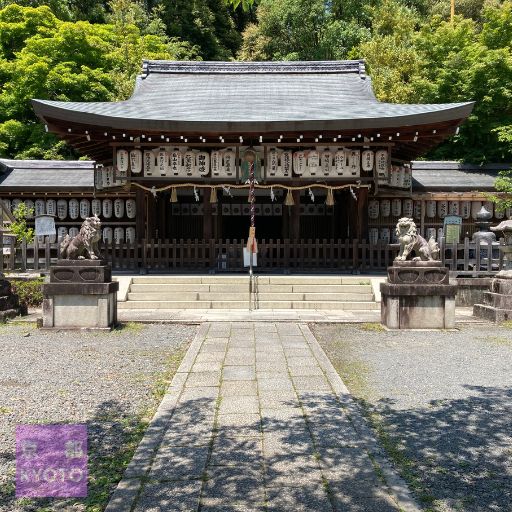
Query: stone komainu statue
[411, 241]
[85, 244]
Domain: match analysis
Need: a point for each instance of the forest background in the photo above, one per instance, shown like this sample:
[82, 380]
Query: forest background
[91, 50]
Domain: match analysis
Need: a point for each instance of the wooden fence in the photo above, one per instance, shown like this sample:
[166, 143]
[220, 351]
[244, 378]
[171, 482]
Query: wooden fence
[227, 255]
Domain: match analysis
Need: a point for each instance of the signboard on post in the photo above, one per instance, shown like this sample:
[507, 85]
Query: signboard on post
[45, 225]
[452, 228]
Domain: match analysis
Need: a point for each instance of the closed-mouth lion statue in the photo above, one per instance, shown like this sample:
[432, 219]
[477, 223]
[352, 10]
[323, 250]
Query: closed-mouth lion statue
[411, 241]
[85, 244]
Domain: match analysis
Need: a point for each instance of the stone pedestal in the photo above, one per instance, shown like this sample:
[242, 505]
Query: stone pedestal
[80, 295]
[418, 295]
[497, 306]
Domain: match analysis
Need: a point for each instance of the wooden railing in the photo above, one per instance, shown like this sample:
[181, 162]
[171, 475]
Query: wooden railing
[227, 255]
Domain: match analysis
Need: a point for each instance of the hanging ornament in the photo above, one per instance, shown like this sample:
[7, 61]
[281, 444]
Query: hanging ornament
[174, 195]
[289, 199]
[330, 198]
[196, 194]
[272, 195]
[153, 191]
[311, 195]
[213, 195]
[353, 194]
[227, 191]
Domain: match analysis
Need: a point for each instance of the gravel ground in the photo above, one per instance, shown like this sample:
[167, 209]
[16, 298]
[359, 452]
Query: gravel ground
[110, 381]
[442, 405]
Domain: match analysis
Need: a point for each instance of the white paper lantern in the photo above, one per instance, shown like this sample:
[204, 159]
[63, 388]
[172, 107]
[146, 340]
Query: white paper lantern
[489, 206]
[74, 209]
[229, 163]
[122, 160]
[313, 163]
[130, 235]
[108, 177]
[326, 162]
[176, 162]
[216, 163]
[61, 233]
[272, 162]
[85, 208]
[15, 203]
[385, 235]
[381, 164]
[30, 207]
[118, 235]
[299, 163]
[162, 163]
[430, 209]
[136, 161]
[73, 231]
[417, 209]
[119, 208]
[189, 163]
[287, 164]
[339, 163]
[442, 209]
[203, 163]
[7, 204]
[40, 207]
[373, 209]
[385, 208]
[453, 208]
[62, 209]
[96, 207]
[396, 207]
[440, 234]
[407, 177]
[52, 238]
[373, 235]
[367, 160]
[148, 163]
[51, 207]
[354, 163]
[408, 208]
[465, 209]
[107, 208]
[430, 233]
[131, 208]
[394, 179]
[108, 235]
[98, 178]
[476, 206]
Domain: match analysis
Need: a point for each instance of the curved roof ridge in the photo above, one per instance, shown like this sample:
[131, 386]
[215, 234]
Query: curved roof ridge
[251, 67]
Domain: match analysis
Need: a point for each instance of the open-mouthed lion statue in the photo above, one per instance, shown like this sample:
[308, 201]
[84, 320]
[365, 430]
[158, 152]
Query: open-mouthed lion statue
[85, 244]
[410, 241]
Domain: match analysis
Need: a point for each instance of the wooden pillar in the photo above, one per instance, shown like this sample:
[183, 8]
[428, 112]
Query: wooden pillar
[285, 222]
[295, 216]
[140, 219]
[207, 215]
[151, 202]
[362, 214]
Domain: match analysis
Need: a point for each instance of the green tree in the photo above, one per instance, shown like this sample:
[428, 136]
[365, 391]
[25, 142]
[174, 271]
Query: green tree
[20, 227]
[299, 30]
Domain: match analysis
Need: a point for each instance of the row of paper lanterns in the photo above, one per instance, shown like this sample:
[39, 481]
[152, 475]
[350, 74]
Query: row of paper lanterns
[409, 208]
[317, 162]
[388, 235]
[74, 208]
[117, 235]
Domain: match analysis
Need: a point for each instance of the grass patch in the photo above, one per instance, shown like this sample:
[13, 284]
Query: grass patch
[5, 410]
[498, 340]
[366, 282]
[134, 327]
[372, 327]
[507, 324]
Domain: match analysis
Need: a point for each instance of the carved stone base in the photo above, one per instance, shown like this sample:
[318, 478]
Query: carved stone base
[497, 304]
[418, 296]
[80, 295]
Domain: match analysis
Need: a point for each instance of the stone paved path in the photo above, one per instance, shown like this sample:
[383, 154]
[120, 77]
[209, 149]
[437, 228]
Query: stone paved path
[257, 419]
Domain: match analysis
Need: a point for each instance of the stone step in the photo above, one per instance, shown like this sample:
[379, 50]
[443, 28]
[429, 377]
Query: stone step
[227, 304]
[498, 300]
[241, 279]
[262, 288]
[491, 313]
[243, 295]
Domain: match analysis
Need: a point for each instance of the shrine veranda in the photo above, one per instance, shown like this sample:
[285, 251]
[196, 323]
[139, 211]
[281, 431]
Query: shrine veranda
[169, 180]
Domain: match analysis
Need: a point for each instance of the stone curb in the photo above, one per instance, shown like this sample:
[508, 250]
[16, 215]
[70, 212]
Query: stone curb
[127, 491]
[401, 492]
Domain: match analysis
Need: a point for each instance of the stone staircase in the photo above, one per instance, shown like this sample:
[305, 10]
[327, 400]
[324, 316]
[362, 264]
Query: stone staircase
[348, 293]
